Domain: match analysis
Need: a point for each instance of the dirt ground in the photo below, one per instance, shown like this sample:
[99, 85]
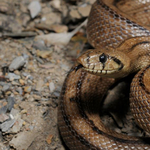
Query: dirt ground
[33, 71]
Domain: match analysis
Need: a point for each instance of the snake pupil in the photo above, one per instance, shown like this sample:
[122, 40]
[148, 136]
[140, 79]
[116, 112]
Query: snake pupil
[102, 58]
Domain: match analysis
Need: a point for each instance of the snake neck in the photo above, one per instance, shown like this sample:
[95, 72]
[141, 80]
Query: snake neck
[139, 56]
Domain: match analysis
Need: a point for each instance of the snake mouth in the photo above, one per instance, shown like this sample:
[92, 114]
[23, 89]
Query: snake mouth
[94, 71]
[99, 72]
[78, 67]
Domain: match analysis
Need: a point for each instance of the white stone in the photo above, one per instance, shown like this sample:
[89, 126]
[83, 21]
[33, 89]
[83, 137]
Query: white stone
[34, 8]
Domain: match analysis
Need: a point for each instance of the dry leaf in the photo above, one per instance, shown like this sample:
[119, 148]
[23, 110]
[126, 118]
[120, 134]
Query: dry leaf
[59, 38]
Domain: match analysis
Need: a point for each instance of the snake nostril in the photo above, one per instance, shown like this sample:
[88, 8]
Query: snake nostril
[103, 58]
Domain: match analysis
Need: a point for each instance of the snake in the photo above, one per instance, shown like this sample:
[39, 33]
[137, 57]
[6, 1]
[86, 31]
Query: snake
[119, 32]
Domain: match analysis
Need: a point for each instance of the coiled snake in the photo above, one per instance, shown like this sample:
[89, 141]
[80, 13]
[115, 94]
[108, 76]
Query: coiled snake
[120, 34]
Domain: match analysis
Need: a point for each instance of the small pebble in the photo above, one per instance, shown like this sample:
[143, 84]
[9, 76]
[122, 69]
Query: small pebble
[39, 85]
[22, 82]
[3, 117]
[2, 83]
[64, 67]
[5, 88]
[15, 83]
[37, 97]
[11, 102]
[19, 89]
[40, 45]
[31, 127]
[44, 99]
[3, 106]
[8, 93]
[24, 111]
[17, 63]
[25, 74]
[7, 125]
[17, 126]
[34, 8]
[44, 54]
[51, 87]
[12, 76]
[57, 94]
[27, 89]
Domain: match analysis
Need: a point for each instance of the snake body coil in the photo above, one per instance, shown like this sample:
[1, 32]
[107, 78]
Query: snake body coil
[122, 46]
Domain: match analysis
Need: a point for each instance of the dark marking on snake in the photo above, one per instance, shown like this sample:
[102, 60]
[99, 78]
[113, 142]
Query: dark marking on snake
[78, 67]
[118, 62]
[139, 43]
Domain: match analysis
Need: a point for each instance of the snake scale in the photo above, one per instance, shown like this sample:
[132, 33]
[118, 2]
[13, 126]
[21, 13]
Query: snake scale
[119, 32]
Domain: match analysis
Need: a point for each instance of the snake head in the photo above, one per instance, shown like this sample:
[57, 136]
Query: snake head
[106, 63]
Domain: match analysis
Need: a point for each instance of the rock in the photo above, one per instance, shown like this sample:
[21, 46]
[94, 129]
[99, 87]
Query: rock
[15, 83]
[17, 63]
[44, 99]
[75, 14]
[34, 8]
[7, 125]
[22, 82]
[23, 140]
[19, 89]
[56, 4]
[31, 127]
[2, 83]
[17, 126]
[14, 114]
[3, 106]
[51, 87]
[52, 18]
[40, 45]
[39, 85]
[3, 147]
[25, 74]
[28, 76]
[57, 93]
[27, 89]
[59, 28]
[44, 54]
[90, 1]
[85, 10]
[24, 111]
[37, 97]
[65, 67]
[12, 76]
[3, 117]
[11, 102]
[5, 88]
[54, 27]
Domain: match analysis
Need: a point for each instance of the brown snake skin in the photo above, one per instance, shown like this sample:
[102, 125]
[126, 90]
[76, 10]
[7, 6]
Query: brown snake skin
[111, 27]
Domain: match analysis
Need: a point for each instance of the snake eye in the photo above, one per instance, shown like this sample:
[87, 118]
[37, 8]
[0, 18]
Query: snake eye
[102, 58]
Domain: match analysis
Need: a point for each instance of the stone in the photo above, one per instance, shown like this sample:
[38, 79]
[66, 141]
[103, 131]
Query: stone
[51, 87]
[17, 63]
[34, 8]
[3, 117]
[7, 125]
[12, 76]
[11, 102]
[23, 140]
